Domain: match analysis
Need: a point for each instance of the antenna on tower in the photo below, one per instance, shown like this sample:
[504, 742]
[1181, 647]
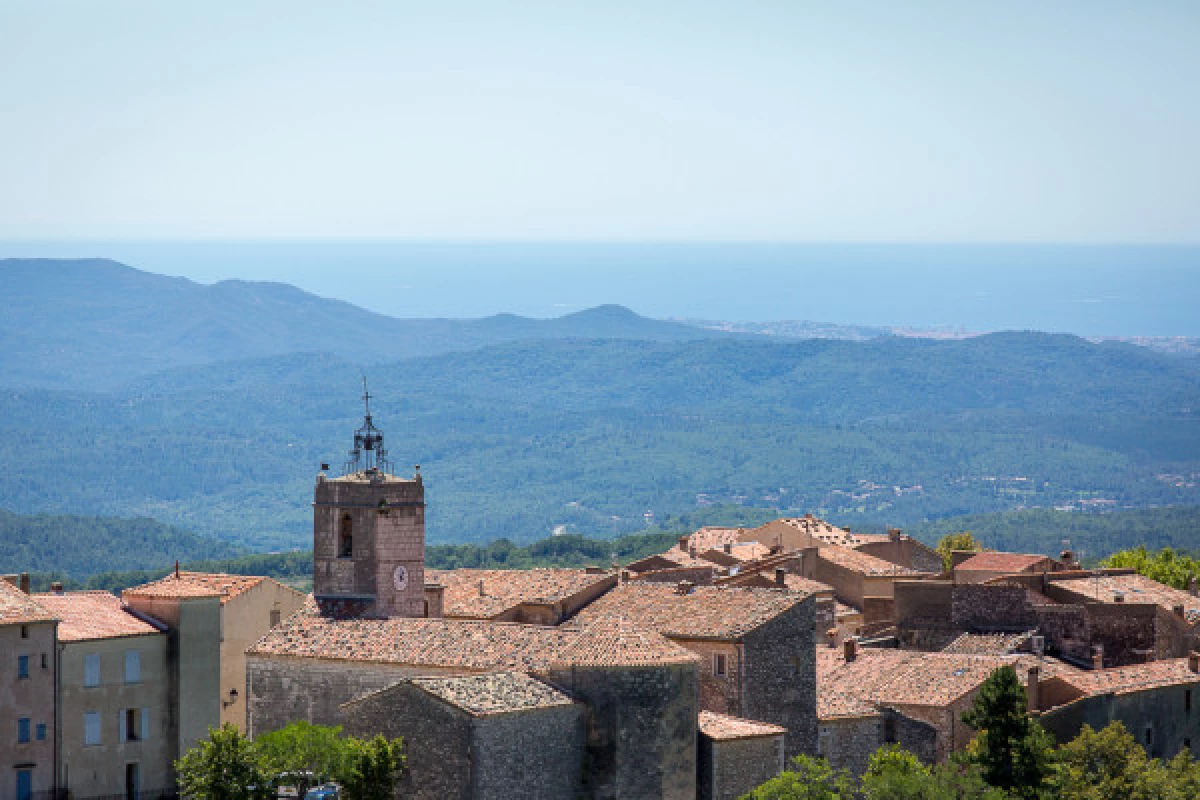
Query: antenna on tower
[368, 454]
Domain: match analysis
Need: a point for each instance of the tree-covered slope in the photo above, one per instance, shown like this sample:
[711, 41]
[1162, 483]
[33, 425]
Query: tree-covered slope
[83, 546]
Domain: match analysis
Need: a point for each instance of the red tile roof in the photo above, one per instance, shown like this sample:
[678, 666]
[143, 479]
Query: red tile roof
[863, 563]
[1003, 562]
[18, 608]
[465, 644]
[198, 584]
[94, 615]
[1136, 678]
[1136, 589]
[712, 539]
[987, 644]
[724, 728]
[706, 612]
[832, 704]
[494, 692]
[504, 589]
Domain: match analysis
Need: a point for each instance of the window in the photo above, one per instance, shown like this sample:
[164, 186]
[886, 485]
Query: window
[1187, 699]
[22, 666]
[889, 730]
[133, 781]
[1149, 736]
[133, 666]
[718, 664]
[24, 784]
[45, 661]
[24, 631]
[346, 547]
[41, 732]
[91, 670]
[91, 727]
[23, 730]
[131, 725]
[274, 617]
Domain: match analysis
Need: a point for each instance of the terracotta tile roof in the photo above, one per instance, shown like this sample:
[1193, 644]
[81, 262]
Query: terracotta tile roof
[1003, 562]
[712, 539]
[494, 692]
[198, 584]
[833, 704]
[465, 644]
[1136, 678]
[706, 612]
[723, 727]
[826, 533]
[93, 615]
[840, 609]
[17, 608]
[669, 560]
[1136, 589]
[903, 677]
[863, 563]
[504, 589]
[987, 644]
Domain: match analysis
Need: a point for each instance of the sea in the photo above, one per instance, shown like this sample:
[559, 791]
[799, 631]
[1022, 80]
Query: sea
[1090, 290]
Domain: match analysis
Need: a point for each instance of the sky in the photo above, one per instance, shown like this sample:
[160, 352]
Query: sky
[607, 121]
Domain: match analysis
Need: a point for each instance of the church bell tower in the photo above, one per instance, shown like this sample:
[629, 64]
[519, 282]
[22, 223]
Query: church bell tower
[369, 534]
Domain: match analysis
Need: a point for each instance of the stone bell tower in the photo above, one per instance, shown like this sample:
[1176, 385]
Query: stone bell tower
[369, 534]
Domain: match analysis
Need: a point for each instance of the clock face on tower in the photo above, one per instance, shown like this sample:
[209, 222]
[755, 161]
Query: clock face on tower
[400, 578]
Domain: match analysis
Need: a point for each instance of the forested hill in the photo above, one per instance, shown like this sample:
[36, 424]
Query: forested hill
[83, 546]
[520, 438]
[93, 324]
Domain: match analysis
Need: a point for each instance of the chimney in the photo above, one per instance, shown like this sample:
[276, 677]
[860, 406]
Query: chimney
[684, 587]
[624, 577]
[780, 572]
[482, 593]
[1192, 587]
[24, 582]
[850, 649]
[177, 569]
[683, 543]
[729, 548]
[894, 534]
[1097, 658]
[1194, 661]
[1033, 688]
[1118, 597]
[56, 587]
[1178, 610]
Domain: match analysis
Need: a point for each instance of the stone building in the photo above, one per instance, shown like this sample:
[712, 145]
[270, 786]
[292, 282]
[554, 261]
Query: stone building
[930, 688]
[1156, 702]
[850, 730]
[496, 735]
[28, 698]
[117, 729]
[736, 755]
[969, 567]
[755, 647]
[534, 596]
[249, 606]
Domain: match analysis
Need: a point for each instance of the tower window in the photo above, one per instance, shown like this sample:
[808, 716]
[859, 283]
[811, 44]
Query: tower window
[346, 541]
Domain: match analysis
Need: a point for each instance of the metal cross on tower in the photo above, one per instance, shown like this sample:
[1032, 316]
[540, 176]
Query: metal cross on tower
[368, 454]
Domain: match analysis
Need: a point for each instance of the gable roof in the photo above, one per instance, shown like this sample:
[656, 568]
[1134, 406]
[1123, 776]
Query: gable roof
[1135, 589]
[486, 593]
[198, 584]
[863, 563]
[723, 727]
[494, 692]
[18, 608]
[94, 615]
[1135, 678]
[464, 644]
[1002, 562]
[704, 612]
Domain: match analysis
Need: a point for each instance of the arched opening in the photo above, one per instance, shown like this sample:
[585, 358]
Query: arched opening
[346, 540]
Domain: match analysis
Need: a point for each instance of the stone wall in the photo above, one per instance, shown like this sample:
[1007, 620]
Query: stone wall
[284, 689]
[923, 604]
[991, 607]
[640, 729]
[536, 754]
[719, 693]
[728, 769]
[779, 676]
[847, 742]
[1163, 720]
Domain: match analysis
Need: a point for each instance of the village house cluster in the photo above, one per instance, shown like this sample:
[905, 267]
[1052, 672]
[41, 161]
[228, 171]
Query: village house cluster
[696, 672]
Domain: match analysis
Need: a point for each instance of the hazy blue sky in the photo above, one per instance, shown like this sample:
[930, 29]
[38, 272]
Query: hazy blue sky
[888, 121]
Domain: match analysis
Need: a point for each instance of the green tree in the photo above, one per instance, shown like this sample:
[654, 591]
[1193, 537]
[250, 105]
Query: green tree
[1110, 765]
[896, 774]
[372, 768]
[963, 540]
[306, 754]
[1013, 751]
[808, 779]
[225, 766]
[1165, 566]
